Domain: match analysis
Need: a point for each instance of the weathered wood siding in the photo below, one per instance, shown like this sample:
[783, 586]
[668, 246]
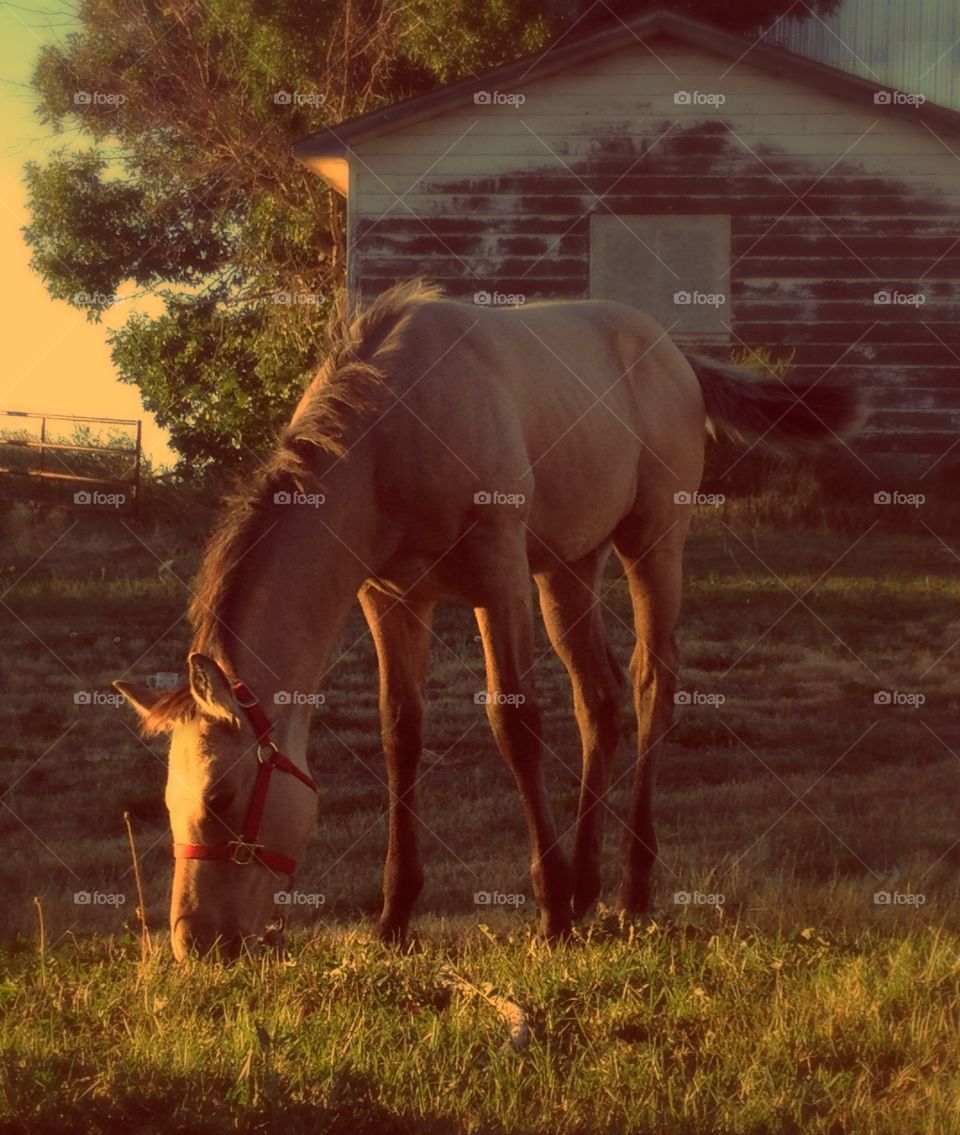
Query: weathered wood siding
[830, 202]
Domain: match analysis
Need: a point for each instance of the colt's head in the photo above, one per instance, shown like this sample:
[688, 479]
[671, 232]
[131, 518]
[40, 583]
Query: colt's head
[211, 776]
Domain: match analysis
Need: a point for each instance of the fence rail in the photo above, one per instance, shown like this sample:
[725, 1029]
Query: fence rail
[70, 461]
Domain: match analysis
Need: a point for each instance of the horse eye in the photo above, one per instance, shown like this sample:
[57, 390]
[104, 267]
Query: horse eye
[218, 801]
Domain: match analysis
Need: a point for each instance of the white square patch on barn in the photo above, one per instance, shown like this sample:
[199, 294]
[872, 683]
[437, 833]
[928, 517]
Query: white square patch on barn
[676, 268]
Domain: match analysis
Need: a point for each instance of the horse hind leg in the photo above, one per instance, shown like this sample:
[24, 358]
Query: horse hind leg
[654, 576]
[506, 627]
[572, 617]
[401, 633]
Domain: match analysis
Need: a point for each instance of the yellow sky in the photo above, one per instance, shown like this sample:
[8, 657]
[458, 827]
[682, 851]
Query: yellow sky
[54, 360]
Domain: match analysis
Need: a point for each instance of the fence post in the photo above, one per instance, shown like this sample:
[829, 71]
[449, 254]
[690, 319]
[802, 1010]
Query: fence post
[41, 493]
[136, 475]
[43, 441]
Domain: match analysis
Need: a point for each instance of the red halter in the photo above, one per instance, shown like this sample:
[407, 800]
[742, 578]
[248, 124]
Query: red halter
[247, 850]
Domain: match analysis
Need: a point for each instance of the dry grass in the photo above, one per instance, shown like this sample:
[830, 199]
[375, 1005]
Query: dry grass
[798, 720]
[676, 1027]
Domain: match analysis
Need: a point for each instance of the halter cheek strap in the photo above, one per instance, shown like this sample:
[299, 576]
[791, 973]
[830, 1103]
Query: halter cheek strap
[246, 849]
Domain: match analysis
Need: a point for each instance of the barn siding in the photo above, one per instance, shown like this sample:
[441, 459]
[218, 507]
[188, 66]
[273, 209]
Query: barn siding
[500, 198]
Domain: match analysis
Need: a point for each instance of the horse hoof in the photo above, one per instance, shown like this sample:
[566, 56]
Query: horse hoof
[584, 903]
[636, 902]
[557, 931]
[392, 935]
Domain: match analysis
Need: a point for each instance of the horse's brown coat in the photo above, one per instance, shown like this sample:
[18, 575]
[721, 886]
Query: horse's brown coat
[461, 450]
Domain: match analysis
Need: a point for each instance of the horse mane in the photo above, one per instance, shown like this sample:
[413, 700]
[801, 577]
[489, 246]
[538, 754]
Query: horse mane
[169, 708]
[347, 391]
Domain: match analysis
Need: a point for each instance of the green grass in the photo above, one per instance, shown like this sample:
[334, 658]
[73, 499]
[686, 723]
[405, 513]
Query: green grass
[671, 1027]
[799, 1004]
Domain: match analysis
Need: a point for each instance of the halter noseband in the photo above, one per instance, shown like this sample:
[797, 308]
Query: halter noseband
[246, 849]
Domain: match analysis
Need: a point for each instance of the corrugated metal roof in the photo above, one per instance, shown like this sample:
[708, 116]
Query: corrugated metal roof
[913, 46]
[850, 75]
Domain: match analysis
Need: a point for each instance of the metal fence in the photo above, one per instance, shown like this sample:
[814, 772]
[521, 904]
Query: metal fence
[68, 461]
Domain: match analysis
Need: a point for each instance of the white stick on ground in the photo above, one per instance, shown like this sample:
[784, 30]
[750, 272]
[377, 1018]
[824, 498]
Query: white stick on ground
[510, 1011]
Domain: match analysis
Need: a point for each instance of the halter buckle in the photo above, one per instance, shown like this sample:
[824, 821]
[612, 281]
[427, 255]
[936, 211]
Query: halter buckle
[243, 853]
[254, 700]
[270, 747]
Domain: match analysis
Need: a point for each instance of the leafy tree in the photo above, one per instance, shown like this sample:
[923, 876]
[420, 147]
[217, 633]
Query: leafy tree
[187, 188]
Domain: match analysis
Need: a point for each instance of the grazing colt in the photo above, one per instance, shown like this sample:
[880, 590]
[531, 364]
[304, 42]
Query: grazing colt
[450, 452]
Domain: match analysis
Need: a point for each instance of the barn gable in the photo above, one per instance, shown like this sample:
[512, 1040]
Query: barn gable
[742, 195]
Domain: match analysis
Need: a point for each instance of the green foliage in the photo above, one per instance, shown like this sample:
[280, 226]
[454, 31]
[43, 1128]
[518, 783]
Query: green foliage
[198, 373]
[189, 190]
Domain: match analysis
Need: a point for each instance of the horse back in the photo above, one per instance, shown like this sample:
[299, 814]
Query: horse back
[573, 414]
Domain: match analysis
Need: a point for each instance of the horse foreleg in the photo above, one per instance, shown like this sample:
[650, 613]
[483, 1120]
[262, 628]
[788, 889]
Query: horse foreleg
[401, 633]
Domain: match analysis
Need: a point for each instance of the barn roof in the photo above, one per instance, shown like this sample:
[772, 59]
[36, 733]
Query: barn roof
[328, 147]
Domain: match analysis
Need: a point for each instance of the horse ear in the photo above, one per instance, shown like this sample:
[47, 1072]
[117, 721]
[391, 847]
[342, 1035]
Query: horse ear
[142, 698]
[211, 689]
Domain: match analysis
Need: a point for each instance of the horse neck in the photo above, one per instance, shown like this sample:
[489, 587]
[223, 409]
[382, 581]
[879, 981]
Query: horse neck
[296, 590]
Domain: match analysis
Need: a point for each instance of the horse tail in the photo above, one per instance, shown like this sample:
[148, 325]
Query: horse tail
[782, 417]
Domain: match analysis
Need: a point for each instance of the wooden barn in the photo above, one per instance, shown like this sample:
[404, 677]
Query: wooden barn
[744, 195]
